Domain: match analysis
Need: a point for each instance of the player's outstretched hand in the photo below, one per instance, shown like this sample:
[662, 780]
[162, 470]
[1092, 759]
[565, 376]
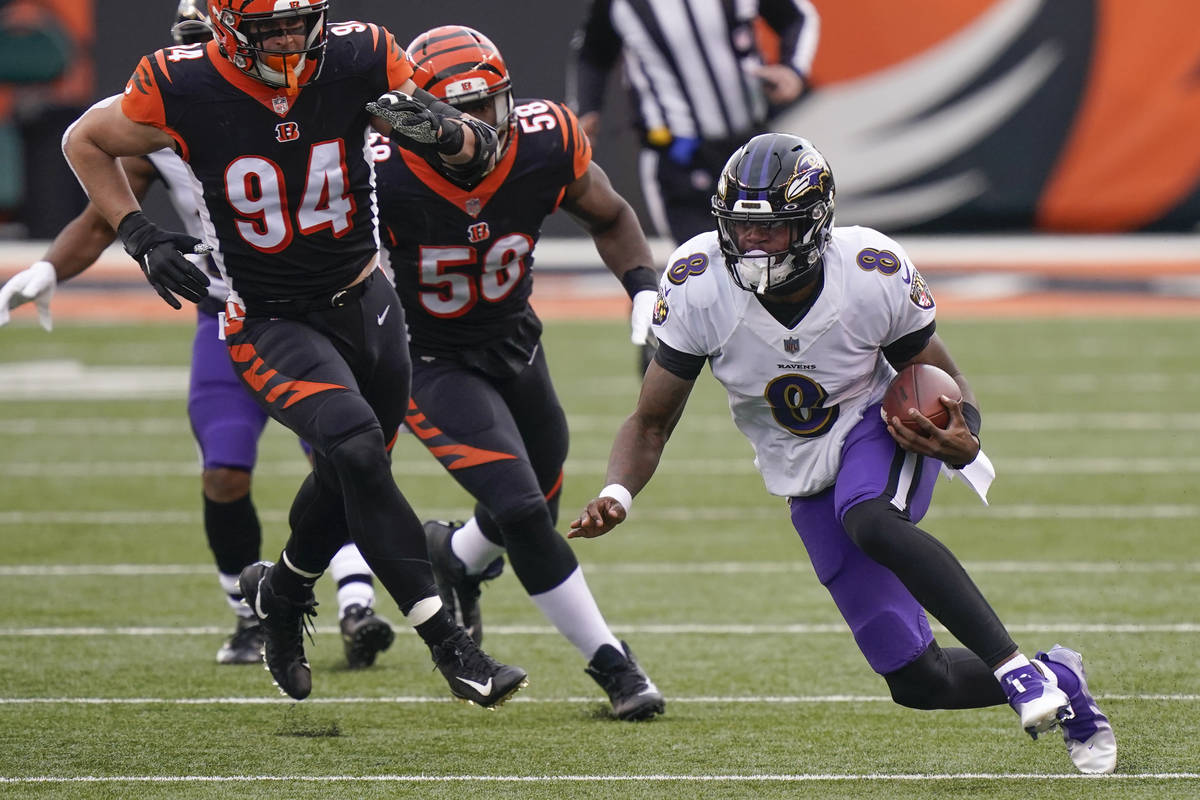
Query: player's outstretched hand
[35, 283]
[601, 516]
[953, 445]
[643, 313]
[160, 253]
[408, 117]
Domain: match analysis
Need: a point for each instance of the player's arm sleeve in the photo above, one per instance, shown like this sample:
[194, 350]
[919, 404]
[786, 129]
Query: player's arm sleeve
[907, 347]
[399, 68]
[596, 48]
[680, 364]
[143, 99]
[575, 142]
[799, 28]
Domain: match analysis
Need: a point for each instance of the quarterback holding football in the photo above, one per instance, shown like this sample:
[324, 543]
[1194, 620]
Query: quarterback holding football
[805, 325]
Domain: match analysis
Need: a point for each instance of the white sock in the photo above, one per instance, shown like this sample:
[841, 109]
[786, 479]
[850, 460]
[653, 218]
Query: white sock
[1016, 662]
[474, 549]
[233, 594]
[571, 608]
[349, 563]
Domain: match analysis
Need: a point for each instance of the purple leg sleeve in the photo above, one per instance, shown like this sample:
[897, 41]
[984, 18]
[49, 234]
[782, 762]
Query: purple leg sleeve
[226, 420]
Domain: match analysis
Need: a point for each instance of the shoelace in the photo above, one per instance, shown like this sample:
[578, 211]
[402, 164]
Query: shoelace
[469, 656]
[307, 611]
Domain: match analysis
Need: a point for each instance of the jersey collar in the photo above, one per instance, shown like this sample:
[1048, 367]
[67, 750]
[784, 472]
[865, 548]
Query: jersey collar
[269, 96]
[462, 198]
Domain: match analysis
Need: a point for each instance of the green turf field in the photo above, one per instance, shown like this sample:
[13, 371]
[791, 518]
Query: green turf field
[112, 615]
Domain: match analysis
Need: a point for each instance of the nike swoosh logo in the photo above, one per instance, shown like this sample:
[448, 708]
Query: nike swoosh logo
[484, 689]
[383, 316]
[258, 609]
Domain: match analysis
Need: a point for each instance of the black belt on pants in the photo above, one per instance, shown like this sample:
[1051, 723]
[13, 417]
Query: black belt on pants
[307, 305]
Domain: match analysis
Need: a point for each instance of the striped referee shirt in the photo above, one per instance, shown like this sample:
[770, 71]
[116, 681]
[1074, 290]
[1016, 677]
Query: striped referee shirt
[689, 63]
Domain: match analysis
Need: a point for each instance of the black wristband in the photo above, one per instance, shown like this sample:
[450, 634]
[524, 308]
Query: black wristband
[639, 279]
[136, 233]
[971, 416]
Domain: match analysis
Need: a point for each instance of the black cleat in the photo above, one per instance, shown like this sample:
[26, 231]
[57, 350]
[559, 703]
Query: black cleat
[364, 635]
[473, 675]
[458, 590]
[245, 646]
[633, 695]
[283, 622]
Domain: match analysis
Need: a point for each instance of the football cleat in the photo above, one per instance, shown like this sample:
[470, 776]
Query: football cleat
[473, 675]
[633, 695]
[364, 635]
[245, 646]
[1088, 734]
[283, 622]
[458, 590]
[1038, 702]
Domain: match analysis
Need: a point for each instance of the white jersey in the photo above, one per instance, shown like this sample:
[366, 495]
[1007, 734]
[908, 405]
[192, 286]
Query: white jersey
[796, 392]
[183, 190]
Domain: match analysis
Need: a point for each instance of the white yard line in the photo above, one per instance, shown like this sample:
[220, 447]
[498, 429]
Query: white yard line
[639, 568]
[681, 629]
[830, 699]
[578, 779]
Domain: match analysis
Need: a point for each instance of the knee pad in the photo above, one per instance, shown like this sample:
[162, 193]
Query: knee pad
[361, 457]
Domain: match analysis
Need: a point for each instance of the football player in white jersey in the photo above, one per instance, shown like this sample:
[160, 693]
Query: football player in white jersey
[805, 324]
[225, 419]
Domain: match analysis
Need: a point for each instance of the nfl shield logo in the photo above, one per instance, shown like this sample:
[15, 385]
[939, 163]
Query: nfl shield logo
[473, 206]
[279, 105]
[791, 345]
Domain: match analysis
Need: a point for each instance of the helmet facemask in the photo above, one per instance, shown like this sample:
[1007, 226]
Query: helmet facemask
[775, 181]
[498, 100]
[191, 24]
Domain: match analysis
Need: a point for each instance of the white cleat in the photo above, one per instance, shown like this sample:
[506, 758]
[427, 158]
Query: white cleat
[1087, 733]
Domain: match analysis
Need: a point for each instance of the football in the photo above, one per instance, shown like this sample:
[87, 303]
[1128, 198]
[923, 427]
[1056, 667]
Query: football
[920, 386]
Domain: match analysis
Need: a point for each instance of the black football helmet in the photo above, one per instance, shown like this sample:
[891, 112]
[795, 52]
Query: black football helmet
[191, 23]
[775, 179]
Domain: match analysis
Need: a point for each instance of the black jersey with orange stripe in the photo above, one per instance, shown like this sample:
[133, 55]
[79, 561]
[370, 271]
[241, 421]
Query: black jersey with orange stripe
[463, 257]
[287, 184]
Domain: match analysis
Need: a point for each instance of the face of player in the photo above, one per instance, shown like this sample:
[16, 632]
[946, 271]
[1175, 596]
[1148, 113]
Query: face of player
[769, 237]
[482, 110]
[279, 35]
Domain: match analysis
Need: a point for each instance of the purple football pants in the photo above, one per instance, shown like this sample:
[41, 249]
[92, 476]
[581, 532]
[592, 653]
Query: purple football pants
[225, 419]
[888, 624]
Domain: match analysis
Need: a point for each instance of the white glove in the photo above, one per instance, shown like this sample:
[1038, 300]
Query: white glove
[639, 320]
[35, 283]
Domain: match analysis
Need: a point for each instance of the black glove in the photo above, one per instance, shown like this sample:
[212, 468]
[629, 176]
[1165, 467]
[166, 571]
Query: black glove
[160, 254]
[421, 125]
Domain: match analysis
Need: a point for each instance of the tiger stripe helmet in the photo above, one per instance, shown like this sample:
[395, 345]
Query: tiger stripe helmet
[462, 67]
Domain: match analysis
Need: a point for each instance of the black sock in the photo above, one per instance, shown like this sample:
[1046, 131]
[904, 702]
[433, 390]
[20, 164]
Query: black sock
[234, 534]
[286, 582]
[437, 628]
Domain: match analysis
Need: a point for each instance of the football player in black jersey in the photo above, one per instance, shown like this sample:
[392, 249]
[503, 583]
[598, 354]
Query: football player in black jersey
[225, 419]
[483, 403]
[271, 117]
